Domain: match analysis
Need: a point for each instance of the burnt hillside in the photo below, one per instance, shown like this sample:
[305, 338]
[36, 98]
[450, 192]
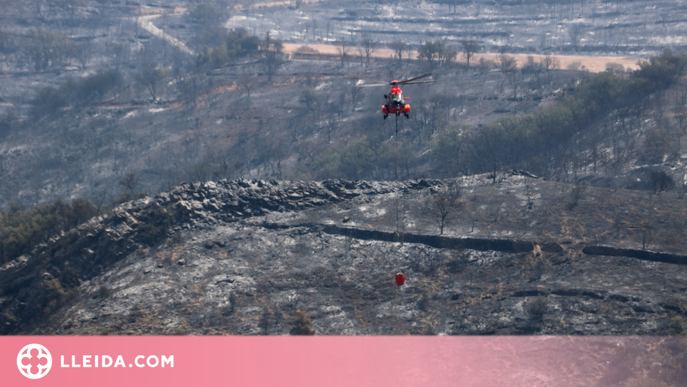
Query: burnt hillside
[177, 91]
[519, 256]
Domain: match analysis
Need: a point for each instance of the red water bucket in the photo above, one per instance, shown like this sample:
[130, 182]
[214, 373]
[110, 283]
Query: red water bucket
[400, 279]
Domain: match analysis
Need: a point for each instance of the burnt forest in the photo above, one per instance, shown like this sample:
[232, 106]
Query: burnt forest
[223, 167]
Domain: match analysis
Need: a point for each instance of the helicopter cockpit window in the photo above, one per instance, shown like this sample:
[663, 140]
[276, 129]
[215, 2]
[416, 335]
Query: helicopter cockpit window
[398, 98]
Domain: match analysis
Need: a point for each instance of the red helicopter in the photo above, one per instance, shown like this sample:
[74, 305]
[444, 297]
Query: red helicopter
[395, 101]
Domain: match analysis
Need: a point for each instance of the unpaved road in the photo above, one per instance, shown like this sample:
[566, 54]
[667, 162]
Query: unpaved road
[146, 23]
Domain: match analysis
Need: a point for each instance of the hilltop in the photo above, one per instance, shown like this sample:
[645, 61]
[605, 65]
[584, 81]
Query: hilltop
[520, 256]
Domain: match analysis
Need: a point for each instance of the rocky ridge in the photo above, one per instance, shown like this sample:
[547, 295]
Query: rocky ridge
[241, 257]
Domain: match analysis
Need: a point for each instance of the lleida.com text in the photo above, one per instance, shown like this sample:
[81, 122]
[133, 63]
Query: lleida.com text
[107, 361]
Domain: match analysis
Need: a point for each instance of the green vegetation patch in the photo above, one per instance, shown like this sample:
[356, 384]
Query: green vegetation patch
[21, 230]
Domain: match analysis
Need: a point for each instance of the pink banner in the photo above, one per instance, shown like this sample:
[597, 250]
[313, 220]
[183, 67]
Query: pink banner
[317, 361]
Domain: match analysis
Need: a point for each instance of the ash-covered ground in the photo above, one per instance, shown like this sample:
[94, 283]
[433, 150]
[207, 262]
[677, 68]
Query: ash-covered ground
[242, 257]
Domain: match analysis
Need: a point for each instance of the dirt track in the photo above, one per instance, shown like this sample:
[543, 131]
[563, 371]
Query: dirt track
[590, 63]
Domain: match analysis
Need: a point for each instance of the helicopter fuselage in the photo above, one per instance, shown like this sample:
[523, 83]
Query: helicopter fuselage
[395, 103]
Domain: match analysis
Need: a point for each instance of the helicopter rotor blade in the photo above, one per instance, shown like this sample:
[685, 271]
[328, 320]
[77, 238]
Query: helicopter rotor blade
[413, 79]
[417, 83]
[374, 85]
[410, 81]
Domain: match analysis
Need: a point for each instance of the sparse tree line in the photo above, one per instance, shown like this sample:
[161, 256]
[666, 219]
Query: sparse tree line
[239, 44]
[432, 53]
[437, 53]
[41, 49]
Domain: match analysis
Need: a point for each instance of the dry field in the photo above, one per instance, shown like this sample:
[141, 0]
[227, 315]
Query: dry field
[590, 63]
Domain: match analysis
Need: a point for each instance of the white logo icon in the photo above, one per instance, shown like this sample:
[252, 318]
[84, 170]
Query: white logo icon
[34, 361]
